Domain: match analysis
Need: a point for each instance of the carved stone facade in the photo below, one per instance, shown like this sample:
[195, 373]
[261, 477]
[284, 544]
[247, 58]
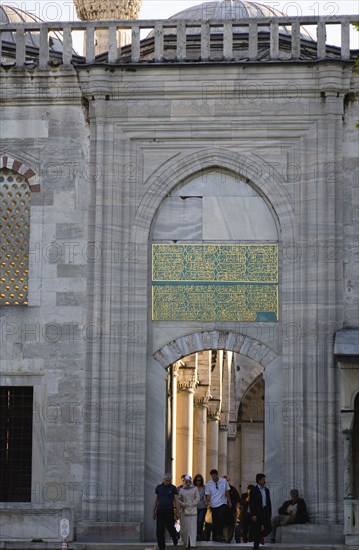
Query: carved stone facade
[226, 146]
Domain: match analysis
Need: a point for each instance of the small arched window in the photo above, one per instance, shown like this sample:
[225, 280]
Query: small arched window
[15, 202]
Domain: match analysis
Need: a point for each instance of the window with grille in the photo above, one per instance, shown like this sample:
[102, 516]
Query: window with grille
[14, 236]
[16, 413]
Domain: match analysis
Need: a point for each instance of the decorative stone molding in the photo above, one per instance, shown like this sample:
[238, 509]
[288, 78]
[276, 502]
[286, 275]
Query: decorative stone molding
[232, 430]
[199, 341]
[214, 408]
[223, 421]
[187, 378]
[201, 397]
[346, 420]
[98, 10]
[251, 166]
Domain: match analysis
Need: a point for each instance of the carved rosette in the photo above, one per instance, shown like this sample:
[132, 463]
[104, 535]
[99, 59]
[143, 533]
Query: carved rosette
[98, 10]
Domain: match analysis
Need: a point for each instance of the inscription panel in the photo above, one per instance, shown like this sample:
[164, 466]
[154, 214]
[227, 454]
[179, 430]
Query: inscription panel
[215, 282]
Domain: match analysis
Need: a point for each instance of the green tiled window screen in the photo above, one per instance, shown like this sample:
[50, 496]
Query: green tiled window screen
[215, 282]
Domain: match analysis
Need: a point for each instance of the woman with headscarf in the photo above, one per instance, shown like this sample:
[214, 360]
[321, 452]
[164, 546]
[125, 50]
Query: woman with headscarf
[188, 499]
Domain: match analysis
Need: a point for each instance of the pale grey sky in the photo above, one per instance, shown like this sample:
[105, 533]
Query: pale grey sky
[63, 10]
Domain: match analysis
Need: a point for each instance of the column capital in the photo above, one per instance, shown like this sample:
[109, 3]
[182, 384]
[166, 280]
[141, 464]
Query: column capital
[214, 408]
[201, 396]
[223, 422]
[346, 420]
[232, 430]
[187, 378]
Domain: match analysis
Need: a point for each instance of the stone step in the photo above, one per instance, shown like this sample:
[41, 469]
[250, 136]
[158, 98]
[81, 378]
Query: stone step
[21, 545]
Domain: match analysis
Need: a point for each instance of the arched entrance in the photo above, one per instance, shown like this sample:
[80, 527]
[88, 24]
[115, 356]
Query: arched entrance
[226, 384]
[201, 209]
[216, 410]
[258, 361]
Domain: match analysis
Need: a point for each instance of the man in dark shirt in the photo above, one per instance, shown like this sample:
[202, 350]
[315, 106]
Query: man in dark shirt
[233, 512]
[291, 511]
[166, 510]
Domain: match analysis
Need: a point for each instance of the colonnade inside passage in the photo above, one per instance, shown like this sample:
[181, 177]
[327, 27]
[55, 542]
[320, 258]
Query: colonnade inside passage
[217, 416]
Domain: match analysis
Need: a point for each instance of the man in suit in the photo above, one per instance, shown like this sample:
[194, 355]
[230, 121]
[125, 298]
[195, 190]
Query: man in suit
[260, 509]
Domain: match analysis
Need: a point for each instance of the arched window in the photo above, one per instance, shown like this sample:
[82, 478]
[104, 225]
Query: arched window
[15, 197]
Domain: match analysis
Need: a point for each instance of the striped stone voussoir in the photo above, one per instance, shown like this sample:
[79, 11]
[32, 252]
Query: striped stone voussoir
[21, 168]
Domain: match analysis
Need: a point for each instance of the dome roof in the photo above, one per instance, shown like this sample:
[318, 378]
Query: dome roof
[225, 10]
[9, 14]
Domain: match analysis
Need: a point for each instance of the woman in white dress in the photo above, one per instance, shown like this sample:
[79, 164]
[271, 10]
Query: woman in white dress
[188, 499]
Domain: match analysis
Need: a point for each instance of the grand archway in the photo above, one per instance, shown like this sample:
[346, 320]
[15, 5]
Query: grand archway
[216, 416]
[214, 256]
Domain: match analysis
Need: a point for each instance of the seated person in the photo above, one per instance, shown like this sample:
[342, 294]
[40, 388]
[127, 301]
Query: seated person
[291, 511]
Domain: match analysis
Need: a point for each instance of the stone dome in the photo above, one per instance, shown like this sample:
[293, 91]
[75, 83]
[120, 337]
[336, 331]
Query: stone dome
[9, 14]
[225, 10]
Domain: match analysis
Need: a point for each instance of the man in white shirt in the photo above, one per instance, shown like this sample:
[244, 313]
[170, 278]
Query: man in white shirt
[218, 499]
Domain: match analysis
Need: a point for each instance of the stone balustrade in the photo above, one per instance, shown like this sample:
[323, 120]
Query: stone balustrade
[177, 41]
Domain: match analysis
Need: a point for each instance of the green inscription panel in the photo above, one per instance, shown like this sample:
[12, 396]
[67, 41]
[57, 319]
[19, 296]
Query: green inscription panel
[215, 282]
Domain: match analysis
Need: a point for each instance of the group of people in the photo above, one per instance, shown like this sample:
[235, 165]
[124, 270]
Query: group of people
[218, 509]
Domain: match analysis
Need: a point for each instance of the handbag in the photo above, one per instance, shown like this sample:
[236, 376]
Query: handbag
[190, 511]
[208, 516]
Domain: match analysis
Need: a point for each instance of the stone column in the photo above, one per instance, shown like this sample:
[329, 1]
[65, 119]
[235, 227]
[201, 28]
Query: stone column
[185, 386]
[212, 433]
[232, 455]
[200, 430]
[225, 408]
[107, 10]
[174, 420]
[222, 448]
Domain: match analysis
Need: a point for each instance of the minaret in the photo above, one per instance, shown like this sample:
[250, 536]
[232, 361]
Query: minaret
[100, 10]
[106, 10]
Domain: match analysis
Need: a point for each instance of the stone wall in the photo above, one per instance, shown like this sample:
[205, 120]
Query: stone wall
[110, 146]
[43, 126]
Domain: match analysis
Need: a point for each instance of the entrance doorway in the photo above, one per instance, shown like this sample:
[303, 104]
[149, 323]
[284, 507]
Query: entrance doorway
[216, 416]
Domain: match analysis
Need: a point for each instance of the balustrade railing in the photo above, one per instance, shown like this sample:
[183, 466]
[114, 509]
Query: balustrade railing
[177, 41]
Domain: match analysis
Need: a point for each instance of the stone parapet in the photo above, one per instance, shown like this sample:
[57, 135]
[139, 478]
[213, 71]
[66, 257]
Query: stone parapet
[176, 41]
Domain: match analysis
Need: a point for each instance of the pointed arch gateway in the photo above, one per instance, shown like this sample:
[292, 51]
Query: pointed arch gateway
[165, 209]
[216, 403]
